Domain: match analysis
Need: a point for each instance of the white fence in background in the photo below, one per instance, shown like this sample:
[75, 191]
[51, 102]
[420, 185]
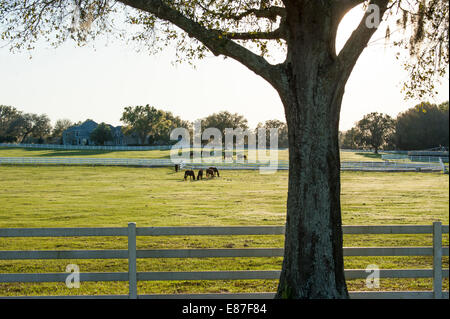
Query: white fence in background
[390, 166]
[97, 148]
[87, 147]
[414, 158]
[132, 254]
[444, 168]
[392, 154]
[157, 162]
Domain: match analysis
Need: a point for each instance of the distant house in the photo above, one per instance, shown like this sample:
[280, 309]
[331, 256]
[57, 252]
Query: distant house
[80, 135]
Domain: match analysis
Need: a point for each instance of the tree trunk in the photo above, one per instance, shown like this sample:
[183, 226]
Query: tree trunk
[312, 95]
[313, 262]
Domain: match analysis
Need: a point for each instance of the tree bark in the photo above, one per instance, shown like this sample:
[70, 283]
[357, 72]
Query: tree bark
[313, 263]
[312, 95]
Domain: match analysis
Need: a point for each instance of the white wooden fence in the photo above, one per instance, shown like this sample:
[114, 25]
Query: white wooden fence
[87, 147]
[164, 162]
[132, 254]
[86, 161]
[138, 162]
[387, 166]
[415, 158]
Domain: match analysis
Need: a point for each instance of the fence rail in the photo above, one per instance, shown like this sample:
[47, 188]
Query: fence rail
[132, 254]
[136, 162]
[95, 147]
[415, 158]
[87, 147]
[158, 162]
[391, 167]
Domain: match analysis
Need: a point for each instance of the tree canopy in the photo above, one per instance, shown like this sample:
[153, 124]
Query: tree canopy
[101, 134]
[423, 127]
[149, 122]
[249, 31]
[16, 126]
[223, 120]
[375, 130]
[350, 139]
[60, 126]
[282, 131]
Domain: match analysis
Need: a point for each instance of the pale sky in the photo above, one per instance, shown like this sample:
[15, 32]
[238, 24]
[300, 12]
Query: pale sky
[80, 83]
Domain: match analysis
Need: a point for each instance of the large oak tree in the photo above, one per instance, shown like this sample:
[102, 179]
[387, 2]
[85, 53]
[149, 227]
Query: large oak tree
[310, 82]
[375, 130]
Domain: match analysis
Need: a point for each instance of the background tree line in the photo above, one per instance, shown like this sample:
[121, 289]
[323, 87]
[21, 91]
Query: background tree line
[421, 127]
[152, 126]
[19, 127]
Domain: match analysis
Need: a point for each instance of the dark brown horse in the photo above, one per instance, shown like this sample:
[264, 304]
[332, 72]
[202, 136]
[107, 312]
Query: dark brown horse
[209, 173]
[189, 173]
[177, 167]
[215, 171]
[200, 174]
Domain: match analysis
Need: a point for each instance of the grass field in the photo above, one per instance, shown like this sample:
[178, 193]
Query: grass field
[55, 196]
[30, 152]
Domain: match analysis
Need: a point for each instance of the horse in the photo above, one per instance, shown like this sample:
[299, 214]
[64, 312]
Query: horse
[177, 167]
[215, 171]
[200, 174]
[189, 173]
[209, 173]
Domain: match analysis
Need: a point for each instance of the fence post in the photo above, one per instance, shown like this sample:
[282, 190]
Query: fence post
[132, 276]
[437, 260]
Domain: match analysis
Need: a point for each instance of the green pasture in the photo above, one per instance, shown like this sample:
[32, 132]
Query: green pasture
[31, 152]
[64, 196]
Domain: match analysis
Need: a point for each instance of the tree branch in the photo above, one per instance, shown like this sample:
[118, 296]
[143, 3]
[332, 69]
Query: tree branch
[359, 39]
[270, 13]
[277, 34]
[348, 4]
[214, 40]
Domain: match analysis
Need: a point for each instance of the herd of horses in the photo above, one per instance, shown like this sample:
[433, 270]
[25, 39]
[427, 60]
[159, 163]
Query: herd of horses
[210, 173]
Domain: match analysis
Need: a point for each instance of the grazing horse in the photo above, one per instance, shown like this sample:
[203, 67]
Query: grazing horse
[209, 173]
[200, 174]
[177, 167]
[189, 173]
[215, 171]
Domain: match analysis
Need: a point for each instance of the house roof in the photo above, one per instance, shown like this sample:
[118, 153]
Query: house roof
[90, 125]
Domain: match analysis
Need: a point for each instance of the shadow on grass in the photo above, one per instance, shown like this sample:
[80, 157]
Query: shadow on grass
[53, 153]
[80, 153]
[370, 155]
